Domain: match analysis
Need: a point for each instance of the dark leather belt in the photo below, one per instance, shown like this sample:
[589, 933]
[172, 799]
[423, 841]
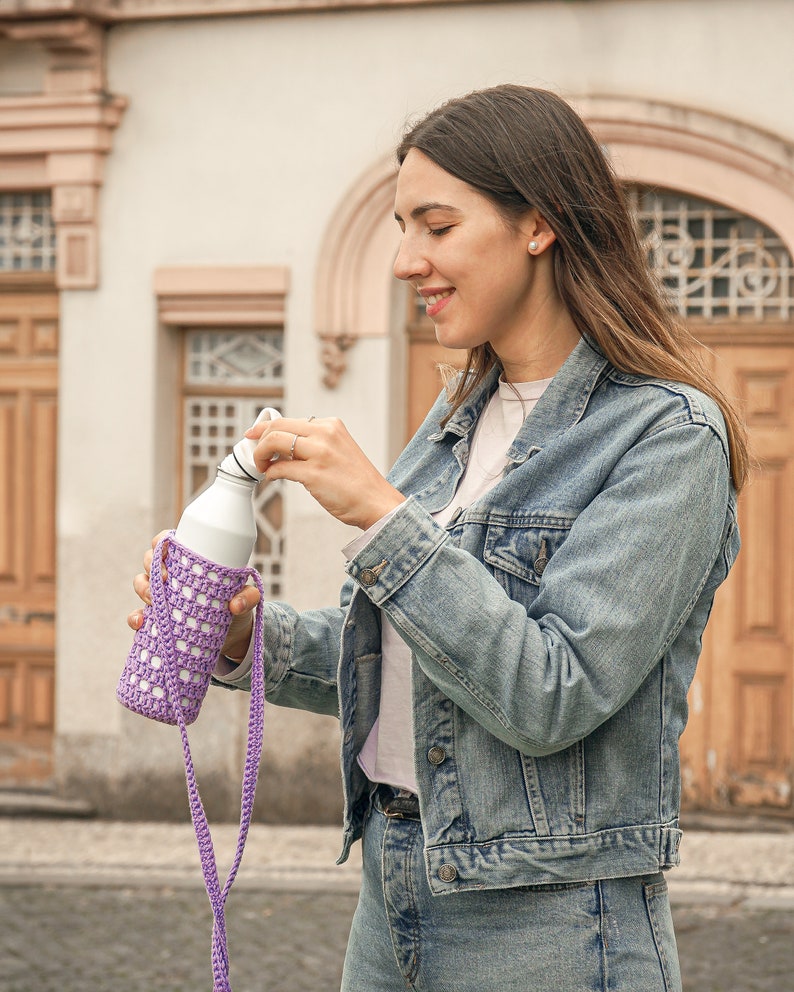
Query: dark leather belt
[397, 803]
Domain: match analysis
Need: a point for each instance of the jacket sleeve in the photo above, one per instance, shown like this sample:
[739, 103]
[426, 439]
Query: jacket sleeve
[611, 599]
[301, 656]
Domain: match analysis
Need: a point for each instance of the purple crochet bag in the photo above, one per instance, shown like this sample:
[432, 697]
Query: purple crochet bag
[166, 677]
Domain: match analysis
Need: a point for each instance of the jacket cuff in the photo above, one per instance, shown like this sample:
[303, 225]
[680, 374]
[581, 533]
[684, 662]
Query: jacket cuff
[278, 636]
[404, 543]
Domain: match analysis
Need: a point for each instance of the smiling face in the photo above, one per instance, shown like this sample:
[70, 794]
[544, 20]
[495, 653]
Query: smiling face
[475, 272]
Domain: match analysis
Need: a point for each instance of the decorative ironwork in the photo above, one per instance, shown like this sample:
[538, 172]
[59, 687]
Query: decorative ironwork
[239, 358]
[213, 424]
[27, 233]
[714, 263]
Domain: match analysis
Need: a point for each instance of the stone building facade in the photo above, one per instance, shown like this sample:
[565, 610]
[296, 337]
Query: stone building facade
[196, 220]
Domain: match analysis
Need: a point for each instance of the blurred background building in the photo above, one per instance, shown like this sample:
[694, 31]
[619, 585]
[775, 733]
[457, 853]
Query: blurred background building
[196, 221]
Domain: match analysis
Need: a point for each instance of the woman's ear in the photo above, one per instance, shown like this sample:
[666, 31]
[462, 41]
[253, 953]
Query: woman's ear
[540, 234]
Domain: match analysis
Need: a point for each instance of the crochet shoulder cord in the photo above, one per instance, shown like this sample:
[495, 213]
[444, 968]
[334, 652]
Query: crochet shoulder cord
[167, 674]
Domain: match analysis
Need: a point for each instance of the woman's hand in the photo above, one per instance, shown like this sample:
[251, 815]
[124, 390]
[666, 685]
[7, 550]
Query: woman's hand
[242, 606]
[323, 457]
[141, 581]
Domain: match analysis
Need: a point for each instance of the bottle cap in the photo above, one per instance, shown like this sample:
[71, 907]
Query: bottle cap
[240, 461]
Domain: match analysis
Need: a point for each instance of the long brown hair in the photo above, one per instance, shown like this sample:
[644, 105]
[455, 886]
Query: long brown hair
[523, 147]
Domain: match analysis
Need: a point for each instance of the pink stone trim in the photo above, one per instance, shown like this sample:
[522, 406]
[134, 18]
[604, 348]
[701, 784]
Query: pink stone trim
[700, 153]
[205, 295]
[354, 279]
[62, 136]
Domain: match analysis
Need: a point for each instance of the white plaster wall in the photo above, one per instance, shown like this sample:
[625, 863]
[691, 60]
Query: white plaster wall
[241, 138]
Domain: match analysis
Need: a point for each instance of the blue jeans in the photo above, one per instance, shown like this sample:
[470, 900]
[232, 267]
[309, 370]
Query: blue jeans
[614, 935]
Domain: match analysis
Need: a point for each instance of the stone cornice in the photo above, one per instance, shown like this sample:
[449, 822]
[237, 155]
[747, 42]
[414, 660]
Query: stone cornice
[223, 295]
[625, 121]
[115, 11]
[68, 123]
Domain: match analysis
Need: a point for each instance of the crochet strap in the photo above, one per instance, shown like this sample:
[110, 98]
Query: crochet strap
[253, 754]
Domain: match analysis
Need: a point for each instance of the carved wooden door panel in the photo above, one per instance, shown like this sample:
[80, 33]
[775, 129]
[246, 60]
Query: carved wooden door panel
[738, 750]
[28, 416]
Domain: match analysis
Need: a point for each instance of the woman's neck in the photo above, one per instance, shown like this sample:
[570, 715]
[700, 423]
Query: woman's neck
[543, 349]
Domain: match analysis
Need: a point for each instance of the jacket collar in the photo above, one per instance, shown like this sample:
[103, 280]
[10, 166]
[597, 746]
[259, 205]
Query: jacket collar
[560, 407]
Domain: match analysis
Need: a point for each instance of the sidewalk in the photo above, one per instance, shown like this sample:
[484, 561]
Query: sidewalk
[718, 867]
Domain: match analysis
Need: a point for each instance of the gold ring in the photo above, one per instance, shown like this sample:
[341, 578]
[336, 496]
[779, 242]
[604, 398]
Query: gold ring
[292, 447]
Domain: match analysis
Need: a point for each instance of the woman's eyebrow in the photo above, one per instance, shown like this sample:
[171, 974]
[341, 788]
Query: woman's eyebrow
[424, 208]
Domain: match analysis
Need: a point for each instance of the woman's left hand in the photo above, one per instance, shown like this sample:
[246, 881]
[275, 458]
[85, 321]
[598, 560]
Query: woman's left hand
[323, 457]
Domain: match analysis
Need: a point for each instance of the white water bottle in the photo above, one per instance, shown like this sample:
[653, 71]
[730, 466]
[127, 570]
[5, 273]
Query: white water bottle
[219, 524]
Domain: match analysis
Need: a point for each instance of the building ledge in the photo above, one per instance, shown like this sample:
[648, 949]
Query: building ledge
[34, 804]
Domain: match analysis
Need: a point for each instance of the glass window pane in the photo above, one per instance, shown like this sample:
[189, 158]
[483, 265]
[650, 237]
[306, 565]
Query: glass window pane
[27, 233]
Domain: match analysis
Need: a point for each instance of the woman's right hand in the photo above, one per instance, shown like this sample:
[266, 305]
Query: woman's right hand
[241, 607]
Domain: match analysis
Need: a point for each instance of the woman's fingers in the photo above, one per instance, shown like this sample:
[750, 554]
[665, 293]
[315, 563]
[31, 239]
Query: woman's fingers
[238, 637]
[323, 457]
[279, 439]
[140, 582]
[141, 585]
[242, 604]
[135, 619]
[244, 601]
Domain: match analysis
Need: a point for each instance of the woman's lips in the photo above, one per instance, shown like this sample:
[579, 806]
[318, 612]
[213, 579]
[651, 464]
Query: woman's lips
[435, 302]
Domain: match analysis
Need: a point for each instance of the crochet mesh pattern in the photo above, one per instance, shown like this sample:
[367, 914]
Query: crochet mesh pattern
[197, 593]
[166, 677]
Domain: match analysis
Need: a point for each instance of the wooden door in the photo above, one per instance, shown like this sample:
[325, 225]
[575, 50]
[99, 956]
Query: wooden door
[738, 750]
[28, 415]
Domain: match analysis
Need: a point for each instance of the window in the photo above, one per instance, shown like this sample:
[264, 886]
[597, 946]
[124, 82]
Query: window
[715, 263]
[229, 376]
[27, 233]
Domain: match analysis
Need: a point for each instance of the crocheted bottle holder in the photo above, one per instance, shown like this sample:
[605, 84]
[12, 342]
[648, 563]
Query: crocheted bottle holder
[166, 677]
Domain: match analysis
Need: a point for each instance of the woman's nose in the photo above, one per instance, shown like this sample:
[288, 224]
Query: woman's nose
[410, 263]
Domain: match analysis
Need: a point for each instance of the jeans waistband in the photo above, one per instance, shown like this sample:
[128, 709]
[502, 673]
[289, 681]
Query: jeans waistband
[396, 803]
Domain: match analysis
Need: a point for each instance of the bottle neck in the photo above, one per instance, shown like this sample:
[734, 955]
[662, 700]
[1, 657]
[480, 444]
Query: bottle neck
[235, 478]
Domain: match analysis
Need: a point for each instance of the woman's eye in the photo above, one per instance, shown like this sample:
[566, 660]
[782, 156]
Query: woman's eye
[438, 232]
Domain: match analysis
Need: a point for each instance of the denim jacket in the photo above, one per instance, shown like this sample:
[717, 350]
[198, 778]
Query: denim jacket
[554, 625]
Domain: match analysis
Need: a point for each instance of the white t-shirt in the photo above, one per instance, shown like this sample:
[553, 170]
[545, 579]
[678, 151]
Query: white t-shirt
[388, 752]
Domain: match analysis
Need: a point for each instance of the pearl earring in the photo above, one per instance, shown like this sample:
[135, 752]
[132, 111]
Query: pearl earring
[533, 246]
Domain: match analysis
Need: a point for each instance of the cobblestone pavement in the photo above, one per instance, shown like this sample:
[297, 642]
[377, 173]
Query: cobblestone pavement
[130, 940]
[113, 907]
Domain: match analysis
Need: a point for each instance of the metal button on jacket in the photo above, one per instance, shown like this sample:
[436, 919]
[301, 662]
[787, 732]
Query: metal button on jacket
[447, 873]
[369, 576]
[436, 755]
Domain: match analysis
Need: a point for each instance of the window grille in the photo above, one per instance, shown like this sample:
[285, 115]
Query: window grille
[714, 263]
[235, 358]
[27, 233]
[244, 375]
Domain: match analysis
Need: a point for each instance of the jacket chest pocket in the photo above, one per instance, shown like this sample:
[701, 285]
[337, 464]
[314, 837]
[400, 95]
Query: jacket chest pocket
[518, 553]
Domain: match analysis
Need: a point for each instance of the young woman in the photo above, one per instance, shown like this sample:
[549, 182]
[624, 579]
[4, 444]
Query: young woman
[526, 601]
